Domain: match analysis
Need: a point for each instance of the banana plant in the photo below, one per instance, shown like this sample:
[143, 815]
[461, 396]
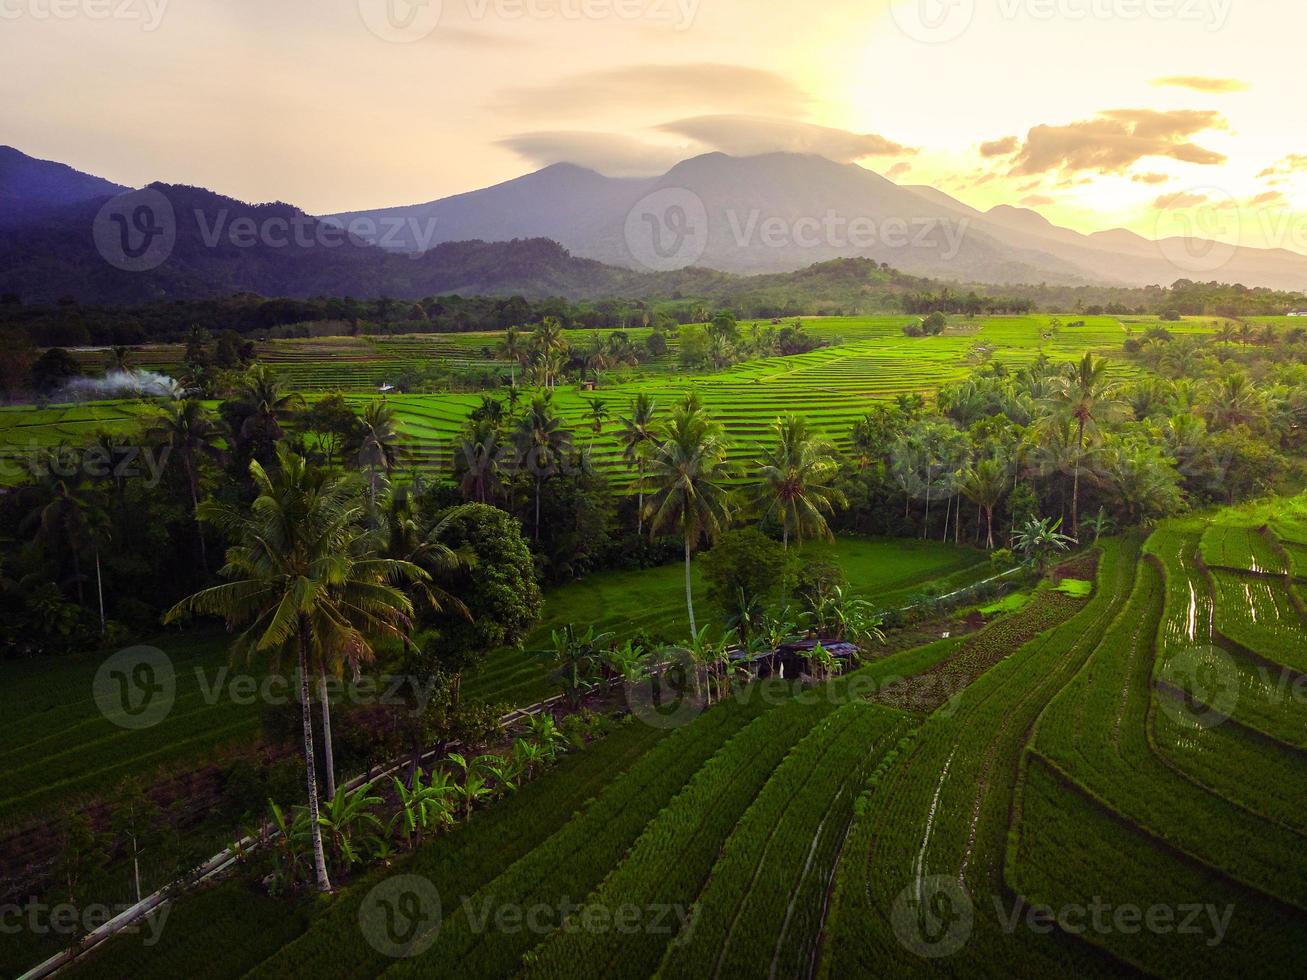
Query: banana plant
[290, 845]
[545, 733]
[530, 756]
[426, 806]
[473, 789]
[350, 828]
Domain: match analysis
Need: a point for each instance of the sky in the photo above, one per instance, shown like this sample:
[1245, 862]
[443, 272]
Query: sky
[1163, 116]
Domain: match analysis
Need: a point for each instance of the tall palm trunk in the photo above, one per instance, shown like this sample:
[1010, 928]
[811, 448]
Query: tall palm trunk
[535, 533]
[328, 752]
[193, 482]
[989, 517]
[1075, 484]
[310, 766]
[99, 587]
[640, 500]
[689, 595]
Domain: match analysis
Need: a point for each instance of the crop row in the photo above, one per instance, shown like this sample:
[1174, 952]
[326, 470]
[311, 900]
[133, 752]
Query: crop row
[1095, 730]
[1127, 893]
[1258, 613]
[759, 912]
[943, 812]
[1232, 545]
[668, 865]
[270, 937]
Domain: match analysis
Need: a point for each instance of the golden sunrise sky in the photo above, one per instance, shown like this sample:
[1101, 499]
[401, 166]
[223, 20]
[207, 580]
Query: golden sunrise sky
[1097, 113]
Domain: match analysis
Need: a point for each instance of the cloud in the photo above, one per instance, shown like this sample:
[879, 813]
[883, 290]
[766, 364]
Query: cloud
[1292, 164]
[1269, 197]
[1116, 140]
[898, 170]
[658, 87]
[1150, 178]
[1000, 147]
[1037, 200]
[1201, 83]
[1179, 201]
[744, 135]
[609, 153]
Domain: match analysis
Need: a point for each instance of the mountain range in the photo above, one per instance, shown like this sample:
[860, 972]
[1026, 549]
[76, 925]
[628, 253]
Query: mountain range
[566, 230]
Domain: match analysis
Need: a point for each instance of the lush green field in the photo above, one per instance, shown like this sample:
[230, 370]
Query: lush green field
[61, 745]
[1076, 808]
[870, 359]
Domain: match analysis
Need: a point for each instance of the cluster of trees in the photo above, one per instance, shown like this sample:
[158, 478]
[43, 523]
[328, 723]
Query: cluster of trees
[722, 343]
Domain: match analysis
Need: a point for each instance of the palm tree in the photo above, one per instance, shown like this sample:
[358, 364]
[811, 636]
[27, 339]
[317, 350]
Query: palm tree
[984, 485]
[637, 437]
[513, 348]
[794, 477]
[120, 358]
[66, 514]
[597, 411]
[303, 573]
[188, 431]
[547, 346]
[480, 457]
[271, 405]
[378, 445]
[541, 443]
[688, 468]
[1233, 400]
[596, 357]
[1084, 396]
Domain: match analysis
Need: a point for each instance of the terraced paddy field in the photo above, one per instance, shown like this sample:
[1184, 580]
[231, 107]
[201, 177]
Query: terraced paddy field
[831, 387]
[1102, 794]
[55, 723]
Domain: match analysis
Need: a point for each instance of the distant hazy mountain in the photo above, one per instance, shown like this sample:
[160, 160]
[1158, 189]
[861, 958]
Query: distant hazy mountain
[30, 187]
[563, 231]
[588, 213]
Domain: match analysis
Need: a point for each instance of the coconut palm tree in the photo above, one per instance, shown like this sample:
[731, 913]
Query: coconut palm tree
[541, 443]
[1233, 400]
[1085, 397]
[65, 514]
[513, 348]
[984, 485]
[638, 437]
[597, 412]
[479, 450]
[377, 444]
[120, 358]
[688, 469]
[547, 346]
[303, 574]
[794, 481]
[188, 431]
[271, 405]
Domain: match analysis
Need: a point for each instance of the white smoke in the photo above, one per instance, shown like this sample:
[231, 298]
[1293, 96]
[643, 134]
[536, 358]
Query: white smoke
[119, 384]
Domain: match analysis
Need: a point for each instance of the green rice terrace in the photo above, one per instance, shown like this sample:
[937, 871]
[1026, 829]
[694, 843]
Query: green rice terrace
[1102, 781]
[870, 359]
